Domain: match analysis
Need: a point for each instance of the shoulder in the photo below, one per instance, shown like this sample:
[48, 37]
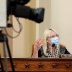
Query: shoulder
[63, 49]
[62, 46]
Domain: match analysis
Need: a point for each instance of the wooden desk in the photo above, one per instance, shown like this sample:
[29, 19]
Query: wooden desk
[41, 65]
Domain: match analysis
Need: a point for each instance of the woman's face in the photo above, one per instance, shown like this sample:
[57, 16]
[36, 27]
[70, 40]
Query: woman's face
[52, 35]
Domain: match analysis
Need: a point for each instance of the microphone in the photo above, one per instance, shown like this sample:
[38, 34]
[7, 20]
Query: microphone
[53, 45]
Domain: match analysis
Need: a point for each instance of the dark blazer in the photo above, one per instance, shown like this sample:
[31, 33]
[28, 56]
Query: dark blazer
[63, 50]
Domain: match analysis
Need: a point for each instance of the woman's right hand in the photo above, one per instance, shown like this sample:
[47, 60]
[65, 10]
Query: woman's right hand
[38, 44]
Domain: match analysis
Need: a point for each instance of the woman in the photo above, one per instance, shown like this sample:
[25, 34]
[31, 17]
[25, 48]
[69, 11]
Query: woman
[49, 46]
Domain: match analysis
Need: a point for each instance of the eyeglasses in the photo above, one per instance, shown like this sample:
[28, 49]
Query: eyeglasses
[52, 36]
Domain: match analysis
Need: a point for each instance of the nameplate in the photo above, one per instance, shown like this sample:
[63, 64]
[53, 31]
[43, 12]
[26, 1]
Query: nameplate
[66, 56]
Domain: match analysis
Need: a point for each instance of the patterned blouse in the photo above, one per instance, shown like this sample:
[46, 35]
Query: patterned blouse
[58, 52]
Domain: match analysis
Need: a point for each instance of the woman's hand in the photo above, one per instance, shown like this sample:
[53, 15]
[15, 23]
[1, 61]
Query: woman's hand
[38, 44]
[36, 47]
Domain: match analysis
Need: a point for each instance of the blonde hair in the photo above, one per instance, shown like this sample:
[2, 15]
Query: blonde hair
[46, 34]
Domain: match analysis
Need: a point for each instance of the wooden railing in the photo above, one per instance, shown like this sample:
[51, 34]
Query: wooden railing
[41, 65]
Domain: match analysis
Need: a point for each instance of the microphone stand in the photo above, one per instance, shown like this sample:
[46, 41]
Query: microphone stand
[1, 66]
[4, 39]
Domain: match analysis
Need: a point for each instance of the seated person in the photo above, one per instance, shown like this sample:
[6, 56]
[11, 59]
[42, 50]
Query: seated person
[49, 46]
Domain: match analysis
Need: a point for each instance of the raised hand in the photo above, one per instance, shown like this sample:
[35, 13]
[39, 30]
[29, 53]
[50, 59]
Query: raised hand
[38, 44]
[36, 47]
